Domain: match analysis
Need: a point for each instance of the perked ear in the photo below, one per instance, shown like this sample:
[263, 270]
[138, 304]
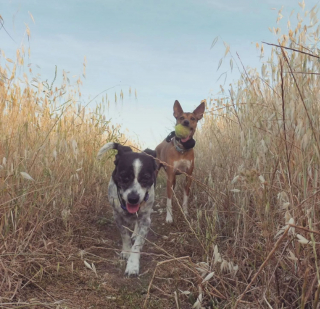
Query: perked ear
[121, 149]
[155, 166]
[153, 154]
[177, 109]
[150, 152]
[199, 111]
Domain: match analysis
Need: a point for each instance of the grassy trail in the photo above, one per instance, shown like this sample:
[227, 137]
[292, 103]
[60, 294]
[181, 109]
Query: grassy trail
[97, 241]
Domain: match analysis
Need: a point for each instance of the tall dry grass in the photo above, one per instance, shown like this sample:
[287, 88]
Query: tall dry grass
[259, 153]
[257, 157]
[48, 170]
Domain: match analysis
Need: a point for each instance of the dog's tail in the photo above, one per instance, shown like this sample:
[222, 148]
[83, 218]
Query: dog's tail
[105, 148]
[112, 145]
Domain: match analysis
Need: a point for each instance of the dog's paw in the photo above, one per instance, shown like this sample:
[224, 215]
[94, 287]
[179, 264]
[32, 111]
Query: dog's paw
[124, 255]
[132, 269]
[169, 218]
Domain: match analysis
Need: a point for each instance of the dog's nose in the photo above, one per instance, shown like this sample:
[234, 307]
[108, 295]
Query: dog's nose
[133, 198]
[185, 122]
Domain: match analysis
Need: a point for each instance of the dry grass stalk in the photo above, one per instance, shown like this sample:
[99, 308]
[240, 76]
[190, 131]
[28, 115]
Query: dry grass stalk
[257, 176]
[48, 170]
[259, 154]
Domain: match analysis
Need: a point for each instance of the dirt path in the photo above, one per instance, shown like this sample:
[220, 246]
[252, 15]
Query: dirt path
[73, 285]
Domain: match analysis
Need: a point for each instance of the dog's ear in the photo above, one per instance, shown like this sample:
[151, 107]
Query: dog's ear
[150, 152]
[121, 150]
[199, 111]
[177, 109]
[154, 155]
[155, 167]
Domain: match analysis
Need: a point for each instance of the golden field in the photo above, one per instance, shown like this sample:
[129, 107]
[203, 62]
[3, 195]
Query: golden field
[252, 237]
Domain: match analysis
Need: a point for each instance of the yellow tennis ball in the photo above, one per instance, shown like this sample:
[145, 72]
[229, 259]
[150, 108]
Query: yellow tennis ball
[182, 131]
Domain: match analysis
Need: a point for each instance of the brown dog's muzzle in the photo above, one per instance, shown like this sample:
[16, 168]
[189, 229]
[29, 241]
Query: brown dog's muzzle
[185, 123]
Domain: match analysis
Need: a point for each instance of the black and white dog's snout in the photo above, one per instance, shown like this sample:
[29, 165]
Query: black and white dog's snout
[133, 198]
[133, 189]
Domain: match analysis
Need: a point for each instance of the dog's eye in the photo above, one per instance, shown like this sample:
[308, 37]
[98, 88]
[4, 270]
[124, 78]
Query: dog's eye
[146, 177]
[125, 179]
[193, 119]
[181, 118]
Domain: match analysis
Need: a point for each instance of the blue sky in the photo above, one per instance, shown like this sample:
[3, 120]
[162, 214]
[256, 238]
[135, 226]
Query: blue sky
[160, 48]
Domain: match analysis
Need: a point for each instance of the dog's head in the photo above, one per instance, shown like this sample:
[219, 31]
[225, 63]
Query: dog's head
[134, 175]
[189, 120]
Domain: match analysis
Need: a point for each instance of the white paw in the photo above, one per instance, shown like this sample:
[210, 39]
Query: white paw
[132, 268]
[124, 255]
[169, 217]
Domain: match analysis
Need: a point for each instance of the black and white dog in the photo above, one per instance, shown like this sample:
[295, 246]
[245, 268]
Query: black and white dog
[131, 194]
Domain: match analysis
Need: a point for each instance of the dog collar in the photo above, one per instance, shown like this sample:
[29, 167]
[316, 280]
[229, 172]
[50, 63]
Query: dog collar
[123, 206]
[179, 149]
[170, 136]
[177, 146]
[180, 146]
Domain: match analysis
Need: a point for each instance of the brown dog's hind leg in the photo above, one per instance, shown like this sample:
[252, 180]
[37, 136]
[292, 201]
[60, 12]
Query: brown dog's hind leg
[186, 191]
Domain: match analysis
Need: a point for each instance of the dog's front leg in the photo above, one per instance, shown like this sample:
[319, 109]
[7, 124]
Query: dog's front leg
[135, 232]
[133, 264]
[170, 186]
[126, 240]
[187, 190]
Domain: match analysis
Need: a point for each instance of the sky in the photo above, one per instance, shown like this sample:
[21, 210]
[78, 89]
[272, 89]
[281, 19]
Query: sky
[160, 48]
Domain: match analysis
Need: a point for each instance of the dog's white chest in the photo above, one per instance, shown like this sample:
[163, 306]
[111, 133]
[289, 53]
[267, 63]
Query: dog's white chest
[182, 165]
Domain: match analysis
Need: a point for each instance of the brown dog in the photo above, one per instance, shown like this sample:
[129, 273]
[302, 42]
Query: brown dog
[178, 158]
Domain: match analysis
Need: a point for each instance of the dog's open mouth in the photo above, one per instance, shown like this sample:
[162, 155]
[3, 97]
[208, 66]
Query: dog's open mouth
[183, 140]
[132, 208]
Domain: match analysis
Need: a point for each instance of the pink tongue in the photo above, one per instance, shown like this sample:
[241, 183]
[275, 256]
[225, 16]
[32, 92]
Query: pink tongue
[183, 140]
[132, 208]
